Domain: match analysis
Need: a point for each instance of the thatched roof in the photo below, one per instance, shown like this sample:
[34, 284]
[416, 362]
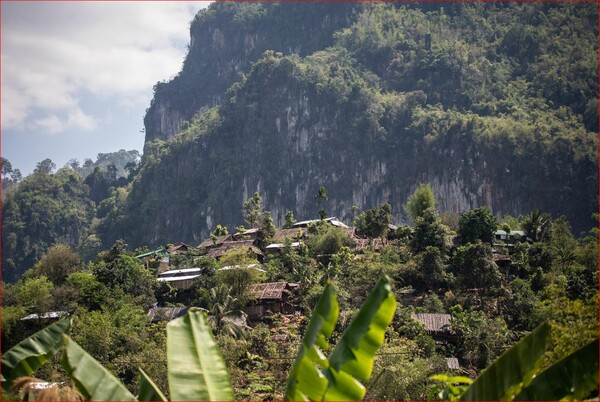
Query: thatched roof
[208, 243]
[219, 251]
[270, 291]
[434, 323]
[281, 234]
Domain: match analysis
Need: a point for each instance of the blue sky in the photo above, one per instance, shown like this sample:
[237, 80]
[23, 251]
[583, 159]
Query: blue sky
[77, 77]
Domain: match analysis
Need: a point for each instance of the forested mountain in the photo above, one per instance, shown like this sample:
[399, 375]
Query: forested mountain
[456, 143]
[493, 104]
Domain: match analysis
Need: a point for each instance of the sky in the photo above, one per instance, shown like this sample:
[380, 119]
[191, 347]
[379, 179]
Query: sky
[77, 77]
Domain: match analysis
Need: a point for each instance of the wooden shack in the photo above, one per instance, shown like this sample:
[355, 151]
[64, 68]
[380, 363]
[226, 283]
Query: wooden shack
[274, 297]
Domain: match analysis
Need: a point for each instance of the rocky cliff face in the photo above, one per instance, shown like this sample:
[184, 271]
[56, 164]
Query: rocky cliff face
[224, 42]
[304, 116]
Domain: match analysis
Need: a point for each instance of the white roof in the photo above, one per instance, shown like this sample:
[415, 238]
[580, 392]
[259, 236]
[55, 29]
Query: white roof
[49, 314]
[180, 271]
[282, 245]
[177, 278]
[229, 267]
[334, 221]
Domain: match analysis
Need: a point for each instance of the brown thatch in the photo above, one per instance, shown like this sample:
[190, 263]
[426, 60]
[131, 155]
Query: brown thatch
[281, 234]
[434, 323]
[219, 251]
[270, 291]
[209, 243]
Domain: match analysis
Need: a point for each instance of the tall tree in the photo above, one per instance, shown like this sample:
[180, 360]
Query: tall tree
[253, 210]
[477, 224]
[419, 201]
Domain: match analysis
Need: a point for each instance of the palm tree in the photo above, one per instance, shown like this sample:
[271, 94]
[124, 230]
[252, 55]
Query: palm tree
[536, 225]
[224, 313]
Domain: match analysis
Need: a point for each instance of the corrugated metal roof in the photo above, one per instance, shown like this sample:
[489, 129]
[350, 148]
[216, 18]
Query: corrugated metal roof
[434, 323]
[182, 272]
[333, 220]
[49, 314]
[159, 251]
[230, 267]
[274, 246]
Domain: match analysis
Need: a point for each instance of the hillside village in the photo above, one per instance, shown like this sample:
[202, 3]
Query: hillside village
[467, 285]
[442, 156]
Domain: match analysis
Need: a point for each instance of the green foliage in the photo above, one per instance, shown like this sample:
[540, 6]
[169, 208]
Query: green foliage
[419, 201]
[573, 377]
[253, 210]
[505, 377]
[480, 339]
[196, 369]
[289, 220]
[428, 232]
[477, 224]
[315, 377]
[474, 268]
[26, 357]
[59, 262]
[35, 293]
[375, 222]
[44, 210]
[219, 231]
[148, 390]
[92, 379]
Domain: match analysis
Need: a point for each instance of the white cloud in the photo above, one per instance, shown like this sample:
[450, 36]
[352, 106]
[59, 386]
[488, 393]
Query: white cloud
[54, 52]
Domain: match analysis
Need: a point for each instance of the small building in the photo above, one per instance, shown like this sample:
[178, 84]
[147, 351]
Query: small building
[374, 244]
[180, 278]
[179, 248]
[48, 316]
[332, 221]
[218, 241]
[276, 249]
[160, 256]
[219, 251]
[292, 234]
[248, 234]
[517, 235]
[274, 297]
[500, 235]
[233, 267]
[436, 325]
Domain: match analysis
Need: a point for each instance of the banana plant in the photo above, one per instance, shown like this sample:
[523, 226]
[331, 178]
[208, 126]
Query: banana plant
[516, 375]
[316, 377]
[28, 355]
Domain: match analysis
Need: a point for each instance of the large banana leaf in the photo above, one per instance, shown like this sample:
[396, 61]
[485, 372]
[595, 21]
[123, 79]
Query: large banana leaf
[196, 369]
[314, 377]
[93, 381]
[306, 381]
[503, 379]
[573, 377]
[148, 390]
[28, 355]
[352, 358]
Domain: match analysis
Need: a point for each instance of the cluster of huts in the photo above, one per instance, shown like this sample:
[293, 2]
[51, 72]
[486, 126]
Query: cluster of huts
[277, 297]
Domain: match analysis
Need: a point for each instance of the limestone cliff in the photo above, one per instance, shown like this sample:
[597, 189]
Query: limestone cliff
[385, 97]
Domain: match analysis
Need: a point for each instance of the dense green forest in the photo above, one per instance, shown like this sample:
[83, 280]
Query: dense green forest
[458, 141]
[494, 104]
[440, 265]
